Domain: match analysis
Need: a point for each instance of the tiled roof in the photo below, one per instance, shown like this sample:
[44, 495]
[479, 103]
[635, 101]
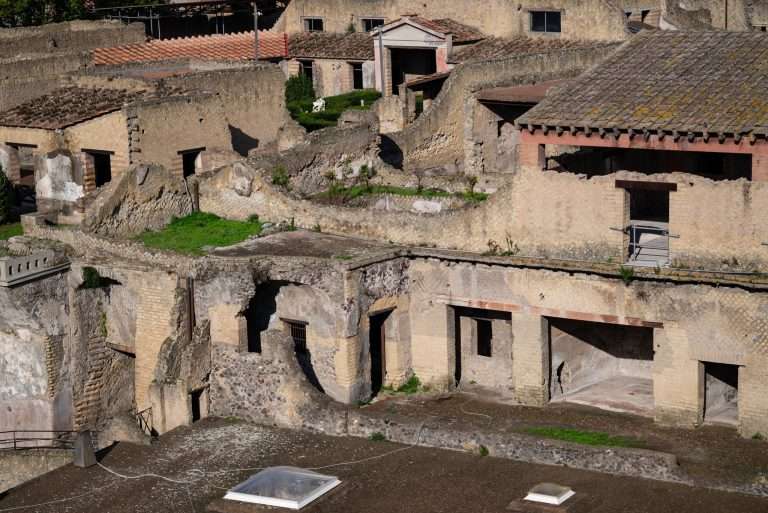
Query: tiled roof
[686, 82]
[225, 47]
[531, 93]
[68, 106]
[327, 45]
[461, 33]
[496, 48]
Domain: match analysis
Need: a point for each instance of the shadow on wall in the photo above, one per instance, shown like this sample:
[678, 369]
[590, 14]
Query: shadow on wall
[390, 152]
[242, 143]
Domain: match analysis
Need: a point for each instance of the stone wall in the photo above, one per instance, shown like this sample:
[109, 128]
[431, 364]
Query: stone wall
[17, 467]
[252, 100]
[587, 19]
[537, 214]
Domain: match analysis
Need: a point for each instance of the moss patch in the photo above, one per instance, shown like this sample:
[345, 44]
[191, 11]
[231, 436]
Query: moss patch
[190, 234]
[584, 437]
[10, 230]
[345, 194]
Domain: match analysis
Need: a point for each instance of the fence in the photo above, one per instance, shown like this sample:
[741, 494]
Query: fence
[20, 440]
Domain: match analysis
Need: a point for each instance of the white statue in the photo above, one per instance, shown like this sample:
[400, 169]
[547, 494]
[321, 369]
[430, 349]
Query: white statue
[318, 105]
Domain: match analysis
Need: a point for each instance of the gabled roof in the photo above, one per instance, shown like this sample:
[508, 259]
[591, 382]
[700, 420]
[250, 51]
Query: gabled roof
[497, 48]
[69, 106]
[460, 32]
[328, 45]
[678, 83]
[226, 47]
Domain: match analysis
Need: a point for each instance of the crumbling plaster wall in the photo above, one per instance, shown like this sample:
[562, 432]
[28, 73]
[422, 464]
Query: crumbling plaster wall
[34, 344]
[252, 101]
[699, 323]
[586, 19]
[143, 198]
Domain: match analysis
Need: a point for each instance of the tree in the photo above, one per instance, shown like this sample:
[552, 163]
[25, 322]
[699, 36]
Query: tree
[6, 197]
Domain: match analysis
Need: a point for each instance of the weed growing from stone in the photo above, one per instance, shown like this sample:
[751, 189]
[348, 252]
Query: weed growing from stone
[483, 451]
[280, 177]
[412, 386]
[584, 437]
[377, 437]
[627, 274]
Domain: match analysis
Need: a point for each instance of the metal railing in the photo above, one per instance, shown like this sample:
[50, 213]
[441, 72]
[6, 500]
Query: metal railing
[144, 418]
[654, 249]
[33, 439]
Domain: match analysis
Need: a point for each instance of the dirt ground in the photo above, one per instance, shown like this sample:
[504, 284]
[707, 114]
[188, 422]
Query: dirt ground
[711, 455]
[205, 458]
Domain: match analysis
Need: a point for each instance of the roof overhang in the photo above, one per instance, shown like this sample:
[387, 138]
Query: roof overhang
[522, 94]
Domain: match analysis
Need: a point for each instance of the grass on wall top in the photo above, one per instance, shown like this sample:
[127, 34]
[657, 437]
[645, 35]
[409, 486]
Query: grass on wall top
[190, 234]
[584, 437]
[10, 230]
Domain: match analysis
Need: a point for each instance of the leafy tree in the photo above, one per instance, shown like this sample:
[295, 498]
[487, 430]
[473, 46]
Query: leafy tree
[298, 88]
[6, 198]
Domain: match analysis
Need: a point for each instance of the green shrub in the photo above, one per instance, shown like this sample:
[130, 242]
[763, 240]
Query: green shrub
[6, 197]
[377, 437]
[483, 451]
[627, 274]
[280, 177]
[301, 108]
[298, 88]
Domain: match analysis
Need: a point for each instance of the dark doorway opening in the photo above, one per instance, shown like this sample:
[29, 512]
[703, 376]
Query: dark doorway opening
[721, 393]
[377, 340]
[102, 166]
[196, 397]
[261, 308]
[410, 64]
[189, 160]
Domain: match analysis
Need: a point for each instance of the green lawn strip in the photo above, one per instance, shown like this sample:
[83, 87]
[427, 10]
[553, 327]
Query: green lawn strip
[356, 191]
[191, 233]
[583, 437]
[10, 230]
[301, 110]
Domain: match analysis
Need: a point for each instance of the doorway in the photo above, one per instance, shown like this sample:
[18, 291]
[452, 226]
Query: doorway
[102, 166]
[378, 339]
[410, 64]
[189, 161]
[196, 397]
[721, 394]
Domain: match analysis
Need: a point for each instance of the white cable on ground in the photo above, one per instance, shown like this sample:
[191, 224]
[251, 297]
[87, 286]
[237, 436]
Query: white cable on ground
[140, 476]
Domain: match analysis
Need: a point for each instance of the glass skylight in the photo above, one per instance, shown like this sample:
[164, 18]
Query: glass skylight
[549, 493]
[283, 487]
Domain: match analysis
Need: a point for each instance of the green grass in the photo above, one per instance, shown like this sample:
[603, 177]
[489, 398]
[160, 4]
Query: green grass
[301, 110]
[377, 437]
[345, 194]
[191, 233]
[10, 230]
[584, 437]
[410, 387]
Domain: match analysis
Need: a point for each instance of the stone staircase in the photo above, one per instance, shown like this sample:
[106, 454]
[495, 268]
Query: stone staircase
[86, 406]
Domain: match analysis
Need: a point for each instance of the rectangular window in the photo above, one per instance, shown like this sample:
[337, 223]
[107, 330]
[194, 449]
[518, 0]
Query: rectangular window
[298, 332]
[545, 21]
[357, 75]
[189, 160]
[306, 68]
[371, 23]
[484, 329]
[313, 24]
[26, 154]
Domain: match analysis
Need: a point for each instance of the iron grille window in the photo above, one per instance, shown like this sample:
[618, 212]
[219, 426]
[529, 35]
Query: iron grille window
[546, 21]
[371, 23]
[357, 75]
[484, 336]
[298, 332]
[313, 24]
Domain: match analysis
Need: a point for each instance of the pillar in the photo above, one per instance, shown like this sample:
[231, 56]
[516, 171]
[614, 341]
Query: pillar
[432, 346]
[678, 379]
[530, 354]
[753, 401]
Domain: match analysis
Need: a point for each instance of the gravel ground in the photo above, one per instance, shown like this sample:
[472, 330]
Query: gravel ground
[206, 458]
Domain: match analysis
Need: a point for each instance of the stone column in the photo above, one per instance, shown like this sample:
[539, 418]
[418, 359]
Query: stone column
[432, 342]
[678, 380]
[530, 350]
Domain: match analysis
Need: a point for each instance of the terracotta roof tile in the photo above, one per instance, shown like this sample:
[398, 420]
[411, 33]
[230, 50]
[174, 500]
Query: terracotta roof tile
[328, 45]
[461, 33]
[69, 106]
[699, 82]
[225, 47]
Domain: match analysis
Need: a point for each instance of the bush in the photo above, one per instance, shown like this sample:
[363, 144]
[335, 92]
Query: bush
[299, 88]
[6, 198]
[301, 108]
[280, 177]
